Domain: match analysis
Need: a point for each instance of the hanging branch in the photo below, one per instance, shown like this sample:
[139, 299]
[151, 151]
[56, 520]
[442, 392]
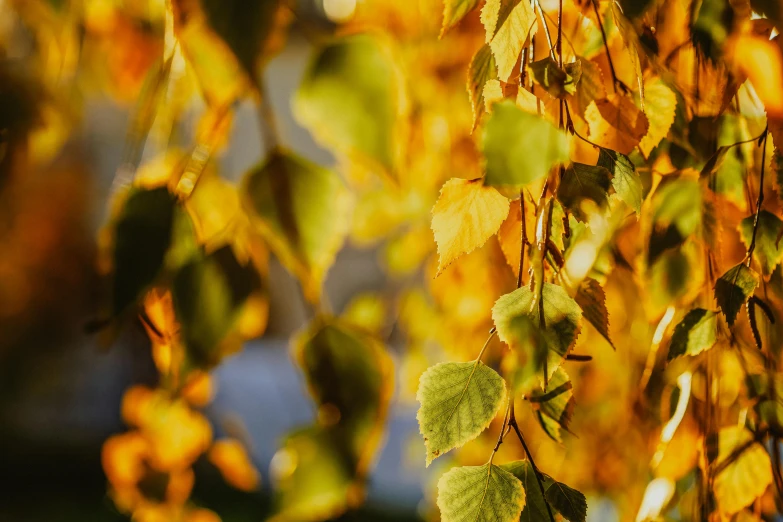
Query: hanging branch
[760, 199]
[512, 422]
[615, 80]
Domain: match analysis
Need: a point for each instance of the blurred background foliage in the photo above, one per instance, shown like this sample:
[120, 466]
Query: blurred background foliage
[188, 184]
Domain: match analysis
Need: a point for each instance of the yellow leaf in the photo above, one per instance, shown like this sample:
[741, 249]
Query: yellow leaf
[760, 61]
[616, 123]
[745, 476]
[493, 92]
[508, 24]
[233, 462]
[660, 108]
[466, 214]
[480, 71]
[527, 101]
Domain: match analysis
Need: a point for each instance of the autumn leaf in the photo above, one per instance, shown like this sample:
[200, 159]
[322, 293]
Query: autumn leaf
[535, 503]
[745, 470]
[591, 298]
[616, 123]
[466, 214]
[625, 180]
[454, 11]
[230, 457]
[350, 99]
[556, 81]
[458, 401]
[660, 106]
[509, 137]
[480, 71]
[733, 288]
[485, 493]
[562, 322]
[508, 24]
[584, 182]
[696, 333]
[767, 250]
[556, 402]
[304, 212]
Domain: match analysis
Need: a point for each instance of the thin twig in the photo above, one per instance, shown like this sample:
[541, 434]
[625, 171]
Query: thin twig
[523, 240]
[615, 81]
[512, 421]
[266, 119]
[760, 199]
[486, 343]
[546, 29]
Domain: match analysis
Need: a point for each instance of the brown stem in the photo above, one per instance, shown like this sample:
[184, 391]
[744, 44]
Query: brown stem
[760, 199]
[615, 81]
[512, 421]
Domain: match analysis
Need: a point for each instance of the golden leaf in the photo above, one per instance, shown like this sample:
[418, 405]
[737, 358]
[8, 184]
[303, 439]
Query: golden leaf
[660, 107]
[466, 214]
[746, 471]
[230, 457]
[616, 123]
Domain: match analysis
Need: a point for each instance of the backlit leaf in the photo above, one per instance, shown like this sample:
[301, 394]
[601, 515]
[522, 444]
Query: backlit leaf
[466, 214]
[233, 462]
[142, 235]
[582, 182]
[480, 71]
[535, 504]
[556, 81]
[556, 401]
[508, 24]
[616, 123]
[570, 503]
[766, 250]
[745, 475]
[625, 180]
[695, 333]
[562, 318]
[485, 493]
[349, 99]
[458, 401]
[315, 478]
[733, 288]
[660, 106]
[454, 11]
[510, 233]
[520, 147]
[208, 293]
[304, 213]
[592, 300]
[678, 203]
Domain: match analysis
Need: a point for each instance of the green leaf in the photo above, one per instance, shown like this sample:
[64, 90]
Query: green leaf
[480, 71]
[315, 479]
[679, 203]
[711, 27]
[625, 180]
[350, 376]
[520, 147]
[304, 213]
[766, 250]
[582, 182]
[142, 235]
[508, 24]
[592, 300]
[733, 288]
[556, 81]
[694, 334]
[555, 402]
[535, 505]
[570, 503]
[562, 322]
[458, 401]
[349, 99]
[208, 294]
[454, 11]
[485, 493]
